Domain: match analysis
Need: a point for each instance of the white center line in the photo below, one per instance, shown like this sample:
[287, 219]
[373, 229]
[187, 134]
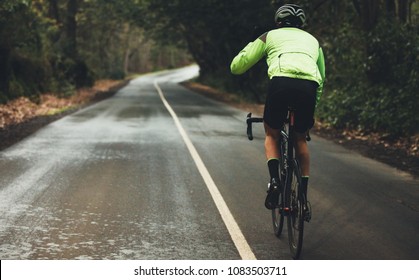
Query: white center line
[237, 236]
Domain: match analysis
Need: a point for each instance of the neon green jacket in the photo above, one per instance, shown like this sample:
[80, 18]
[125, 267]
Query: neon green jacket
[290, 52]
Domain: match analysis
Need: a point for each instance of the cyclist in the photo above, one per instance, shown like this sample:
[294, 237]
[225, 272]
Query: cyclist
[296, 70]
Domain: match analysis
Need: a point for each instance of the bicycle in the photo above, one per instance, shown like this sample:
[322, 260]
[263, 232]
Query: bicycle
[292, 202]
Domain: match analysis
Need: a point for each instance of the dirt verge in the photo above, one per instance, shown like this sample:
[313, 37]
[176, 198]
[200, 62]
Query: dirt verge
[20, 118]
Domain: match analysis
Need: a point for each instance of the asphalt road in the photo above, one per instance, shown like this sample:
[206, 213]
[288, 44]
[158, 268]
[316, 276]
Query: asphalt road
[159, 172]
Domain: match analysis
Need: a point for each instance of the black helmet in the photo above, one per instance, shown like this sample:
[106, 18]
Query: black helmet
[291, 15]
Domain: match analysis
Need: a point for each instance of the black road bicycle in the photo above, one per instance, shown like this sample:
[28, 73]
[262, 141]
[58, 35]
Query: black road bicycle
[292, 202]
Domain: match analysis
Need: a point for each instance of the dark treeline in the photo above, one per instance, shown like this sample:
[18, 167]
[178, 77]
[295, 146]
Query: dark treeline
[60, 45]
[371, 49]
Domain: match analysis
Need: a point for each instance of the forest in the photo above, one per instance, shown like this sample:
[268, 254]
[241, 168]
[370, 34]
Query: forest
[371, 49]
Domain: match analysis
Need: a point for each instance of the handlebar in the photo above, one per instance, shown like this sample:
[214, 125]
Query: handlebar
[249, 121]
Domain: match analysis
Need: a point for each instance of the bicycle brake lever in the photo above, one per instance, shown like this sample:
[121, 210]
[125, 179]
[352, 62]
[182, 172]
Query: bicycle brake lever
[249, 126]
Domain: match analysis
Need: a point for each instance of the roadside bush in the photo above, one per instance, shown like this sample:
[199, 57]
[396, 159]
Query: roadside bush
[374, 88]
[341, 103]
[392, 71]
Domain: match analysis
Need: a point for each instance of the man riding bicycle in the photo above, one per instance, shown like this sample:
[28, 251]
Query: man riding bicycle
[296, 70]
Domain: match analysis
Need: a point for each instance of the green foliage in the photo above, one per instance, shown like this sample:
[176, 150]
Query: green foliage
[39, 53]
[11, 6]
[373, 87]
[21, 66]
[392, 71]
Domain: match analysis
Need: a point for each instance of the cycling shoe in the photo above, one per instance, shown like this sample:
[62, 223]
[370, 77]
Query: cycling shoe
[307, 212]
[272, 199]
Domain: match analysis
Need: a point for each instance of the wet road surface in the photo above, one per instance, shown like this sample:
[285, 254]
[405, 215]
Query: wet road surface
[117, 181]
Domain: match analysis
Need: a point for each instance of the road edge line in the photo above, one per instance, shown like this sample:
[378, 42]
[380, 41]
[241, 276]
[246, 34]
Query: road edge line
[233, 228]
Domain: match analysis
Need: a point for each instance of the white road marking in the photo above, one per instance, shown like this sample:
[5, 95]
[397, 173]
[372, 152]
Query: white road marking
[237, 236]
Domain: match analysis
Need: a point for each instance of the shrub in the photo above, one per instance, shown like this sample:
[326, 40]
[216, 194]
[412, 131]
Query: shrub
[373, 84]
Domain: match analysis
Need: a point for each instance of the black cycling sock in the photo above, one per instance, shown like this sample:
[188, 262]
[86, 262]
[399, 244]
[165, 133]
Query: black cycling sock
[273, 165]
[304, 184]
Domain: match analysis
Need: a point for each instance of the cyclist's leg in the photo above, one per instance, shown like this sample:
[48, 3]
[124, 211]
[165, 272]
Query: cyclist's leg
[274, 117]
[305, 103]
[303, 156]
[302, 153]
[272, 136]
[272, 155]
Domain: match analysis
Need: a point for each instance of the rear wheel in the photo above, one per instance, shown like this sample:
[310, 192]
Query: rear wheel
[295, 221]
[277, 213]
[277, 219]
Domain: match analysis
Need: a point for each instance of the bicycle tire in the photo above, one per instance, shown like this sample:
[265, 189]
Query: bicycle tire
[295, 219]
[277, 221]
[278, 216]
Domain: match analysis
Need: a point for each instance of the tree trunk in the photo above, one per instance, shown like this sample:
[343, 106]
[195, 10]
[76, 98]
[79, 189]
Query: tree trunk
[53, 10]
[403, 10]
[127, 55]
[391, 8]
[370, 10]
[357, 6]
[4, 72]
[71, 29]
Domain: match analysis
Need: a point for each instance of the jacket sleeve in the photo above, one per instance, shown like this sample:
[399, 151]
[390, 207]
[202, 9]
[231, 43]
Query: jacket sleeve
[248, 57]
[322, 69]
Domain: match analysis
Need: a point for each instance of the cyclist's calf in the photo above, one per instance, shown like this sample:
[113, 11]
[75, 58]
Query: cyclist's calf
[302, 153]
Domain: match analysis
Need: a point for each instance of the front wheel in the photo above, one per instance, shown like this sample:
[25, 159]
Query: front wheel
[295, 220]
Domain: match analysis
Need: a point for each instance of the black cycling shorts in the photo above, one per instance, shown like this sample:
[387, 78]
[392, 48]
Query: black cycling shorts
[284, 92]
